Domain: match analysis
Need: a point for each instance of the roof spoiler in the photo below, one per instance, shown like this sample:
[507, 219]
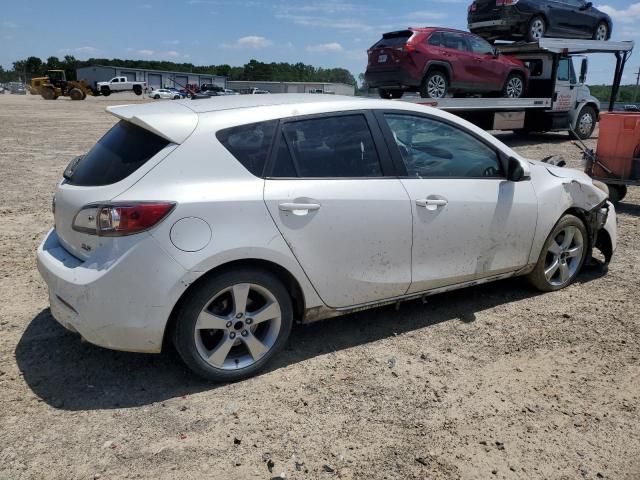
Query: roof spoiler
[171, 121]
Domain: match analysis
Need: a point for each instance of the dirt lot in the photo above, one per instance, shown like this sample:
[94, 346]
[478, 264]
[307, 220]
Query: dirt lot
[490, 382]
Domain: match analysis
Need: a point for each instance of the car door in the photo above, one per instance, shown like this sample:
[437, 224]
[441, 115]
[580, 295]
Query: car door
[469, 222]
[582, 21]
[455, 51]
[565, 95]
[560, 18]
[490, 74]
[347, 221]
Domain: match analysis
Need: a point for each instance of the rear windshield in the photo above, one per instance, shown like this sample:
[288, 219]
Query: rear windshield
[124, 149]
[394, 39]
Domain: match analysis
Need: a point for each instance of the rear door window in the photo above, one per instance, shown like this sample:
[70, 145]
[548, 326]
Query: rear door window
[122, 150]
[250, 144]
[328, 147]
[455, 41]
[435, 39]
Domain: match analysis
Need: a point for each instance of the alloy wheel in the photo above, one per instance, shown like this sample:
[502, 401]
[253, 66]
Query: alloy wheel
[564, 256]
[601, 32]
[238, 326]
[514, 88]
[437, 86]
[537, 29]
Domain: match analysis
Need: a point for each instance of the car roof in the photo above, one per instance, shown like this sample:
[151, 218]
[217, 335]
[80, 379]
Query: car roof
[437, 29]
[176, 120]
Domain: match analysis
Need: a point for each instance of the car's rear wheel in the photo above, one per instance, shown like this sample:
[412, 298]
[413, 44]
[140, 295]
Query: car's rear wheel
[586, 123]
[434, 85]
[537, 29]
[601, 32]
[233, 324]
[156, 97]
[562, 256]
[514, 86]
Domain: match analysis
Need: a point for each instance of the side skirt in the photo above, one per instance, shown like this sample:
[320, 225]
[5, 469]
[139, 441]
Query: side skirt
[322, 313]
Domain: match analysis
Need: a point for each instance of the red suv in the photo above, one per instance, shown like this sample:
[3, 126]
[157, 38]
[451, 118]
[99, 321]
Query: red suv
[437, 61]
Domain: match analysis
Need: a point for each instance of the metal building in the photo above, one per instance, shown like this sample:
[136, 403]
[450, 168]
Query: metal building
[154, 78]
[293, 87]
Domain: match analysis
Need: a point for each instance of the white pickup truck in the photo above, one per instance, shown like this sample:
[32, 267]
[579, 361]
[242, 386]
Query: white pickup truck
[120, 84]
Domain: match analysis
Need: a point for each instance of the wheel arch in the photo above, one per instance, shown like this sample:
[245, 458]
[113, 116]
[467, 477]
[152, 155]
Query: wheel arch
[284, 275]
[438, 65]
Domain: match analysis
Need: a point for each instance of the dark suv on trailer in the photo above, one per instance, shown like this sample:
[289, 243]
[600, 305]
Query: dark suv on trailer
[533, 19]
[437, 61]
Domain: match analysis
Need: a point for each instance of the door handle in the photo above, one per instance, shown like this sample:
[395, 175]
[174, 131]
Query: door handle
[432, 203]
[302, 208]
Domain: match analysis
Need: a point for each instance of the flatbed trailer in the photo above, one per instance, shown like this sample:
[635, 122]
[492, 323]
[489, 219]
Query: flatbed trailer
[560, 99]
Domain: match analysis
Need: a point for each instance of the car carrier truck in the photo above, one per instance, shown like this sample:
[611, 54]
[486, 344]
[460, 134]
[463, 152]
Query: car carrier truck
[557, 99]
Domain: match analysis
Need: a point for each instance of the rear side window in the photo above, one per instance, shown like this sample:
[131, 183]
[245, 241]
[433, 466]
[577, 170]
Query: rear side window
[455, 41]
[123, 149]
[435, 39]
[330, 147]
[250, 144]
[394, 39]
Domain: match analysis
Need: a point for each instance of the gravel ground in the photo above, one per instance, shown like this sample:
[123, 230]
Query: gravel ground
[490, 382]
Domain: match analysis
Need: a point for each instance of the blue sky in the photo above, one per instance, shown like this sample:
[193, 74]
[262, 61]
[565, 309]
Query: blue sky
[327, 33]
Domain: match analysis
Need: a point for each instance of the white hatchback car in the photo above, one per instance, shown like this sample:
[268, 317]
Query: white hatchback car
[218, 223]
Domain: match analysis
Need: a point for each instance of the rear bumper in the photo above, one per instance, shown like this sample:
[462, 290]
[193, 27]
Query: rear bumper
[119, 302]
[399, 78]
[511, 23]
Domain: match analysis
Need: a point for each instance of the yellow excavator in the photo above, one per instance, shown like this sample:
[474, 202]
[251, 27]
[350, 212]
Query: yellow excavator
[55, 85]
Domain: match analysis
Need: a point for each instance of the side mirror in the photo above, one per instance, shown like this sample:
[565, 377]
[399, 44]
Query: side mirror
[515, 172]
[584, 68]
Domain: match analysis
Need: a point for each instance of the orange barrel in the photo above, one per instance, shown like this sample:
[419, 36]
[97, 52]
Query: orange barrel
[618, 144]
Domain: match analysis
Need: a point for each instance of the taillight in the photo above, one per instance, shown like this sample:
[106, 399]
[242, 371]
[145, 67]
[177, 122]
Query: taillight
[409, 48]
[500, 3]
[119, 219]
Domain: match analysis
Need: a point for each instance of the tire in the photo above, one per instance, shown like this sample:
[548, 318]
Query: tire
[586, 122]
[601, 32]
[617, 192]
[561, 260]
[514, 86]
[137, 90]
[233, 330]
[75, 94]
[84, 95]
[156, 97]
[106, 91]
[435, 85]
[536, 29]
[177, 97]
[48, 94]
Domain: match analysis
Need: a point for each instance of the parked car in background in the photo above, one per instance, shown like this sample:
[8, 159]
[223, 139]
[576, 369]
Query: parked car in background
[439, 61]
[182, 93]
[211, 87]
[165, 93]
[17, 88]
[253, 91]
[2, 89]
[338, 204]
[533, 19]
[120, 84]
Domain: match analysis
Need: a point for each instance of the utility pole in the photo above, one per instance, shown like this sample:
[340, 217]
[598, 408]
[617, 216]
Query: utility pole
[635, 92]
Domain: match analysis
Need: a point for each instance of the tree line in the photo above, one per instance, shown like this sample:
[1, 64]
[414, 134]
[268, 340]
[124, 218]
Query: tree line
[627, 93]
[254, 70]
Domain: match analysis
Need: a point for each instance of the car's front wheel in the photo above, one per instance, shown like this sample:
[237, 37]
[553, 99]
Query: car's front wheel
[601, 32]
[562, 256]
[233, 324]
[586, 123]
[537, 29]
[514, 86]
